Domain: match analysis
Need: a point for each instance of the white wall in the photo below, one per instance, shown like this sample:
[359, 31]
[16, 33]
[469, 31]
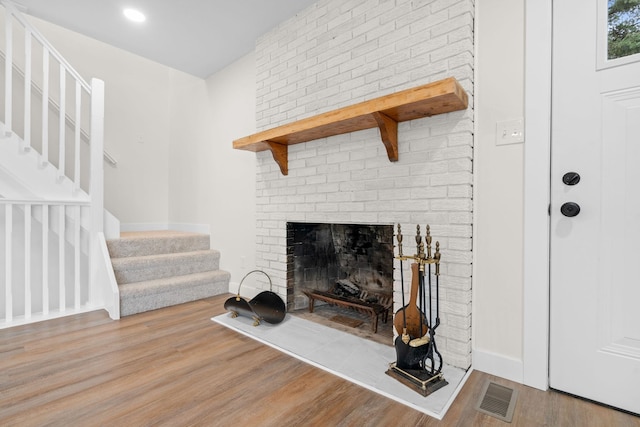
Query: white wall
[210, 182]
[498, 192]
[137, 122]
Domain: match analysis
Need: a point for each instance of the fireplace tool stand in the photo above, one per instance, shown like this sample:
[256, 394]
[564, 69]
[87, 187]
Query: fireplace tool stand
[419, 363]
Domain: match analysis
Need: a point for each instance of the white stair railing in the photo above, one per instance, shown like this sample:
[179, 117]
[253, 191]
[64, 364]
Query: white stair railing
[45, 260]
[53, 106]
[49, 279]
[53, 77]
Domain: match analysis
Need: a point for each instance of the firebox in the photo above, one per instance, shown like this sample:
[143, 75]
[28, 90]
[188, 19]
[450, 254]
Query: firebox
[351, 261]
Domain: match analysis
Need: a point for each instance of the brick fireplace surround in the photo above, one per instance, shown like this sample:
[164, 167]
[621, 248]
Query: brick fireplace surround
[336, 53]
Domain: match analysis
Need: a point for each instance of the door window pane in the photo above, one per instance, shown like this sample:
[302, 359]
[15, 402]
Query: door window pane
[623, 28]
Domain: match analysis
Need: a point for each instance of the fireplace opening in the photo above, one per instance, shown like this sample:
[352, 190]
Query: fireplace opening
[341, 275]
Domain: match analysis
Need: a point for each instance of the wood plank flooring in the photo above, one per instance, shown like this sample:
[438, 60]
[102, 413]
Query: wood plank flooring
[176, 367]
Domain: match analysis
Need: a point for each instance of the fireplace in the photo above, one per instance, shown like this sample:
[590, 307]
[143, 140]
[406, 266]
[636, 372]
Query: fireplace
[353, 262]
[348, 179]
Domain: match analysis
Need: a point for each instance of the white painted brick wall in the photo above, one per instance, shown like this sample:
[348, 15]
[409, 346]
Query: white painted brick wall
[336, 53]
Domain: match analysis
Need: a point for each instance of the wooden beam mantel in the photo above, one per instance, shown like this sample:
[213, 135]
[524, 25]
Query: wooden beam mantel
[384, 113]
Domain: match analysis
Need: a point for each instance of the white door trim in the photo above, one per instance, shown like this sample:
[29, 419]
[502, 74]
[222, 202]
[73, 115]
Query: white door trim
[537, 165]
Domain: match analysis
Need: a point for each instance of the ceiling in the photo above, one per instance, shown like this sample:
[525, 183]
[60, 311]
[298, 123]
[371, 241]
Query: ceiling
[198, 37]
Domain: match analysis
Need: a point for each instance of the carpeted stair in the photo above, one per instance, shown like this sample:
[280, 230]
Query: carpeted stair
[156, 269]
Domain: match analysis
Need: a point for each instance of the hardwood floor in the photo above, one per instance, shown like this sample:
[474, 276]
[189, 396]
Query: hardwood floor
[176, 367]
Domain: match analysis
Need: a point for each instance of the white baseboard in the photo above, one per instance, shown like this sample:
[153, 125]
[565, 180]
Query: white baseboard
[141, 226]
[498, 365]
[191, 228]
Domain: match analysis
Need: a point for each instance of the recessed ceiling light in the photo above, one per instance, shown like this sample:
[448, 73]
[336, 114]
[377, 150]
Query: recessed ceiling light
[134, 15]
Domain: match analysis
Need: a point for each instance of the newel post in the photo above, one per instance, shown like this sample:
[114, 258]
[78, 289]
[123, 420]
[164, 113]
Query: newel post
[96, 185]
[8, 72]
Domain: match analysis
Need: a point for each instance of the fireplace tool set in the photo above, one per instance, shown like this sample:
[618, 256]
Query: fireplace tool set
[418, 362]
[266, 306]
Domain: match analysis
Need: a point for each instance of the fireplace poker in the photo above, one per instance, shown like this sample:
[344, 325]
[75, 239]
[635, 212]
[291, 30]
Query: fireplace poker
[437, 322]
[428, 240]
[437, 258]
[433, 351]
[423, 301]
[419, 245]
[420, 251]
[405, 335]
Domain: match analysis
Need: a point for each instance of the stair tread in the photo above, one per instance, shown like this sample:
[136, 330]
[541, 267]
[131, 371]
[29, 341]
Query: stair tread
[128, 289]
[146, 259]
[153, 294]
[141, 243]
[150, 267]
[154, 234]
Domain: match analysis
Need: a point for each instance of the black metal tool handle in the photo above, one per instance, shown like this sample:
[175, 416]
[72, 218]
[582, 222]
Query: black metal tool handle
[405, 336]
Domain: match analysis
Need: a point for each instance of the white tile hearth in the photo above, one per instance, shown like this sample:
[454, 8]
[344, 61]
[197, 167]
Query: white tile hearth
[355, 359]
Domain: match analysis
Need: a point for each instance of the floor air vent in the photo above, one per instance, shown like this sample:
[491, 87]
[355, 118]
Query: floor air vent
[497, 400]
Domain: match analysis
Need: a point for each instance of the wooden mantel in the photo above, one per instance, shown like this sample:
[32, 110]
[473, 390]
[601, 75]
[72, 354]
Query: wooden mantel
[384, 113]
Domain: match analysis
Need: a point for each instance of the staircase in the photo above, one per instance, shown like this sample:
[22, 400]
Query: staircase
[54, 256]
[158, 269]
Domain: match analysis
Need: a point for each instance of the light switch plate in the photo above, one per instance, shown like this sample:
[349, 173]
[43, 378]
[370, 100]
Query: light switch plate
[510, 132]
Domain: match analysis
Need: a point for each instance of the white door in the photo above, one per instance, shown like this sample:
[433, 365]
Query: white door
[595, 255]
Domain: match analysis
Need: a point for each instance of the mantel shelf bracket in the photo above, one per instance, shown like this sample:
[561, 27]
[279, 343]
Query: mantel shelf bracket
[280, 153]
[389, 134]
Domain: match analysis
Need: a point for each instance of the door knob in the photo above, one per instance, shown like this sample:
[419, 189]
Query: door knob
[571, 178]
[570, 209]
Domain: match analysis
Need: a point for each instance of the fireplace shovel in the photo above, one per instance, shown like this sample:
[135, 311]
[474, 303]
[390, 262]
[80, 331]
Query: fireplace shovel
[267, 306]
